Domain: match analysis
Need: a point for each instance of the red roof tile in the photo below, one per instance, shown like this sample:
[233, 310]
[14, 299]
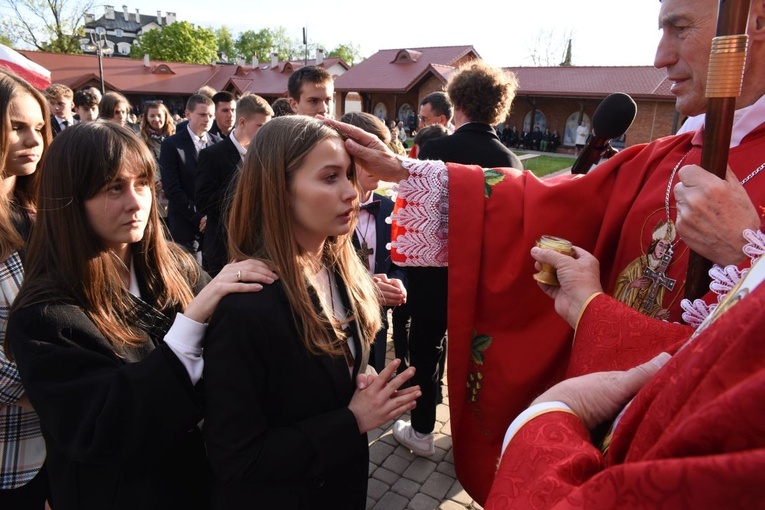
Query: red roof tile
[398, 70]
[637, 81]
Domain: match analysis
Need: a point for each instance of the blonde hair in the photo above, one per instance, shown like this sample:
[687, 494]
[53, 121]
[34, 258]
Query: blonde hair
[257, 229]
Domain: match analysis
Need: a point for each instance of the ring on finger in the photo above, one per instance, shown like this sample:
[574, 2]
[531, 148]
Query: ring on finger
[239, 276]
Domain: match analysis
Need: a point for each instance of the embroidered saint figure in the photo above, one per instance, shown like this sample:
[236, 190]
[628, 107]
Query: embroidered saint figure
[643, 283]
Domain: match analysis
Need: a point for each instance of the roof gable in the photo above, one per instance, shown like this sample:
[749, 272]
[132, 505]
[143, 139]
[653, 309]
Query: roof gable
[398, 70]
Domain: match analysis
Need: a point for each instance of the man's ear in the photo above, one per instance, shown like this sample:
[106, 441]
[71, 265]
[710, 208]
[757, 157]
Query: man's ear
[293, 105]
[757, 20]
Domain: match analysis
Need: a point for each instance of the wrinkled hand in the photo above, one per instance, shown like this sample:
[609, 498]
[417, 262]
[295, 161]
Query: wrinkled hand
[600, 396]
[253, 273]
[377, 398]
[579, 278]
[712, 214]
[392, 290]
[373, 154]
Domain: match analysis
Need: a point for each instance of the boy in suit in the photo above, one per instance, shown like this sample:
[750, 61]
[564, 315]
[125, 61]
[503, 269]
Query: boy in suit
[178, 166]
[217, 169]
[60, 98]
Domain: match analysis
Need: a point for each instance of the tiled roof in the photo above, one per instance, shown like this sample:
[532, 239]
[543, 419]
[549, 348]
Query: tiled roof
[131, 77]
[637, 81]
[398, 70]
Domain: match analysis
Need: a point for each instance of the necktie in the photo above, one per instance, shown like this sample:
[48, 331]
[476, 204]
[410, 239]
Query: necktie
[372, 207]
[64, 124]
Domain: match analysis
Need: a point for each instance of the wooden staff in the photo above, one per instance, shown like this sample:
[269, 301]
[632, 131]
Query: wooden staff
[724, 82]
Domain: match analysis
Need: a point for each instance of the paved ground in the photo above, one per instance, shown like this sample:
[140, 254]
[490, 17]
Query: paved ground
[399, 479]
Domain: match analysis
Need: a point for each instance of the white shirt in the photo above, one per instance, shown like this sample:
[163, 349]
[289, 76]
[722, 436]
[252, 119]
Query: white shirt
[200, 142]
[242, 150]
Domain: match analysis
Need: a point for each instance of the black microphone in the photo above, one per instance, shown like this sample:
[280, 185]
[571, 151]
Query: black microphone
[612, 119]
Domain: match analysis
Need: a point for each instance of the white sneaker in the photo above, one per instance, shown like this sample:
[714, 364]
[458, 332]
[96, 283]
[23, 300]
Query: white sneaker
[421, 444]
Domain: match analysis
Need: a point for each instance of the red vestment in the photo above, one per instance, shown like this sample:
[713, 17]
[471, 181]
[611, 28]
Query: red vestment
[694, 436]
[506, 343]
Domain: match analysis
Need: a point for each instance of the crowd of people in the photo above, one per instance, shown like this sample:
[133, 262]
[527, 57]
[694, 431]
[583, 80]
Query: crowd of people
[226, 348]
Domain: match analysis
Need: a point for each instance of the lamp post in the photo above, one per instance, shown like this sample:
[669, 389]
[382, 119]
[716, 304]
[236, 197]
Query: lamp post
[100, 47]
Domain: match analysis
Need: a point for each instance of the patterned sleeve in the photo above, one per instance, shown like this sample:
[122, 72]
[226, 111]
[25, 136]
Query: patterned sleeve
[421, 218]
[11, 274]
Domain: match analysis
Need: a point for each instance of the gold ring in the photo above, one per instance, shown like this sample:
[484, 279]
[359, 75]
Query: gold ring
[239, 276]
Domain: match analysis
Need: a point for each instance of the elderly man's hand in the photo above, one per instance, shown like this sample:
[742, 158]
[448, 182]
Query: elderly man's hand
[579, 278]
[374, 155]
[712, 213]
[598, 397]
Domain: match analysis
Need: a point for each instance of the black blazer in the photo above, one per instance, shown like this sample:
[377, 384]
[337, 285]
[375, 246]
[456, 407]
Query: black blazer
[216, 171]
[120, 429]
[474, 143]
[383, 263]
[277, 427]
[178, 169]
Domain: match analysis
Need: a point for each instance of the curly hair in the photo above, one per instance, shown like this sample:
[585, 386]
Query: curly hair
[482, 92]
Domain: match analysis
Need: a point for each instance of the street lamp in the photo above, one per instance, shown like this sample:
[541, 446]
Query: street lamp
[100, 47]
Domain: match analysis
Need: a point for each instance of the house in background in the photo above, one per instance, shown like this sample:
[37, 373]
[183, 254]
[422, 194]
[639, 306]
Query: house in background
[174, 82]
[392, 82]
[122, 28]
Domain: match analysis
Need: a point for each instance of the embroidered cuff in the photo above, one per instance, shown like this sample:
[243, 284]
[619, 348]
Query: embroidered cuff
[423, 218]
[531, 413]
[584, 307]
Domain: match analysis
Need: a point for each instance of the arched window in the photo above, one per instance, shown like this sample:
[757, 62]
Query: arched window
[569, 136]
[539, 120]
[380, 111]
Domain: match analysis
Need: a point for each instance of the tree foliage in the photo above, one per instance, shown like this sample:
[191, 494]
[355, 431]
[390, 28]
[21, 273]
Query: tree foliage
[265, 42]
[178, 42]
[47, 25]
[350, 53]
[226, 45]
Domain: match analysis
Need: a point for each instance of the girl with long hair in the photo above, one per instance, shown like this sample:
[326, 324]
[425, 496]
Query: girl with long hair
[116, 108]
[24, 135]
[108, 360]
[156, 125]
[288, 401]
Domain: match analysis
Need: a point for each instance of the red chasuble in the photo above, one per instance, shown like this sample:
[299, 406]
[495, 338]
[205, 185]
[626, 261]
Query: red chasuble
[506, 343]
[694, 437]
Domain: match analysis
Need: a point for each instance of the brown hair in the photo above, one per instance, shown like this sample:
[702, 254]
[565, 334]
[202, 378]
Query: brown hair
[67, 260]
[167, 130]
[109, 102]
[58, 91]
[23, 195]
[368, 123]
[262, 198]
[252, 104]
[482, 92]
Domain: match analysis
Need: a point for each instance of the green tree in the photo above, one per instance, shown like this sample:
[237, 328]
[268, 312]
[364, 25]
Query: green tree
[47, 25]
[265, 42]
[6, 41]
[350, 53]
[178, 42]
[226, 45]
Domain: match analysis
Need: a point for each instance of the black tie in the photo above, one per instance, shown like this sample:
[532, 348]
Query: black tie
[372, 207]
[64, 124]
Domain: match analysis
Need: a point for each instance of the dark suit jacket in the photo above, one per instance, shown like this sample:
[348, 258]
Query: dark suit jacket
[178, 168]
[216, 170]
[473, 143]
[55, 127]
[383, 264]
[277, 427]
[120, 430]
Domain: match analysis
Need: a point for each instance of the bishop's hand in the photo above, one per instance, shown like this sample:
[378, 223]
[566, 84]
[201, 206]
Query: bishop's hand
[713, 213]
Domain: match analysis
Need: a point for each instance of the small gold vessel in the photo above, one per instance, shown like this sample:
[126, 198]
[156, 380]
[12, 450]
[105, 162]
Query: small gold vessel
[547, 274]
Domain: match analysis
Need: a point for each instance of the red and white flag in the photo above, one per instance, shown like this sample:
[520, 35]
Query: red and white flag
[34, 73]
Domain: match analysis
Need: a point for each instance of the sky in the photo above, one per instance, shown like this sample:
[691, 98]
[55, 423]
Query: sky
[504, 33]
